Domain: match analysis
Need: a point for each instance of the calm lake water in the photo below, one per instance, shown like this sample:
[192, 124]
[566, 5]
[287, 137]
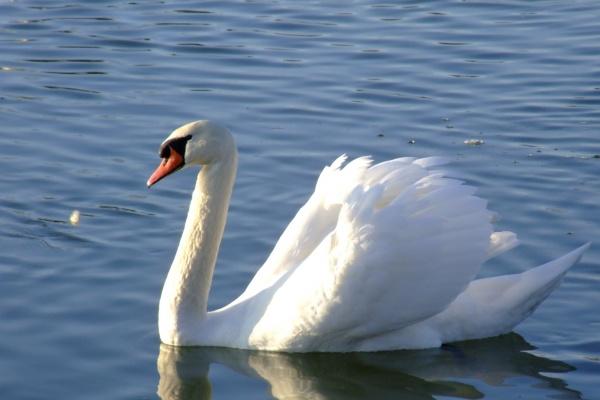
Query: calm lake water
[88, 90]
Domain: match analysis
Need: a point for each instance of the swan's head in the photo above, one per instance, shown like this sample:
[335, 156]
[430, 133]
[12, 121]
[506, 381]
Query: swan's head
[199, 142]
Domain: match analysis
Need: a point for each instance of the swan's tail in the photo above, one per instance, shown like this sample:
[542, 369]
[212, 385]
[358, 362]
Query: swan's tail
[493, 306]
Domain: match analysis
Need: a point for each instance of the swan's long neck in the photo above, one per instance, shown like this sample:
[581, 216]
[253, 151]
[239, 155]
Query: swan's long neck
[183, 303]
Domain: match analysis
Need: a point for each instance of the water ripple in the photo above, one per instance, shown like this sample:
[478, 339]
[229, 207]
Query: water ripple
[89, 90]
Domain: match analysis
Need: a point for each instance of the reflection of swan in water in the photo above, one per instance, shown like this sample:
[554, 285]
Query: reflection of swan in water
[401, 374]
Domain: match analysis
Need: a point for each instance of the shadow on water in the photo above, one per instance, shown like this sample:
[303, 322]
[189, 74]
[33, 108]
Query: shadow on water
[420, 374]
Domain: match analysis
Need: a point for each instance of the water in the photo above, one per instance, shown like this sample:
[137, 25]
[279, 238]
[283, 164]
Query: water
[88, 90]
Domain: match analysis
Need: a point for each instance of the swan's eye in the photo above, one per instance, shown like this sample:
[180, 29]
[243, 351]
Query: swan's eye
[165, 151]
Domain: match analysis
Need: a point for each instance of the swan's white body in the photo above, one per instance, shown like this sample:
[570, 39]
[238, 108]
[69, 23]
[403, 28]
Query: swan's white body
[380, 257]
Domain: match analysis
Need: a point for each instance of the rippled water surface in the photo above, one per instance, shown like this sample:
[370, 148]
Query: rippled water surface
[88, 90]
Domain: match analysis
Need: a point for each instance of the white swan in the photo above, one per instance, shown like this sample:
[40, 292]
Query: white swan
[380, 257]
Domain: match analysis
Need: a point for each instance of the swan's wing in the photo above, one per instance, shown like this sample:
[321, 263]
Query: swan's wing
[312, 223]
[405, 244]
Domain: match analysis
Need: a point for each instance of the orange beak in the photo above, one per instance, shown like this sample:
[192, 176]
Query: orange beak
[166, 167]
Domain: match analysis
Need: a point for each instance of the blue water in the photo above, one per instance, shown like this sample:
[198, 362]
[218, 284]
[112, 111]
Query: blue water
[88, 90]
